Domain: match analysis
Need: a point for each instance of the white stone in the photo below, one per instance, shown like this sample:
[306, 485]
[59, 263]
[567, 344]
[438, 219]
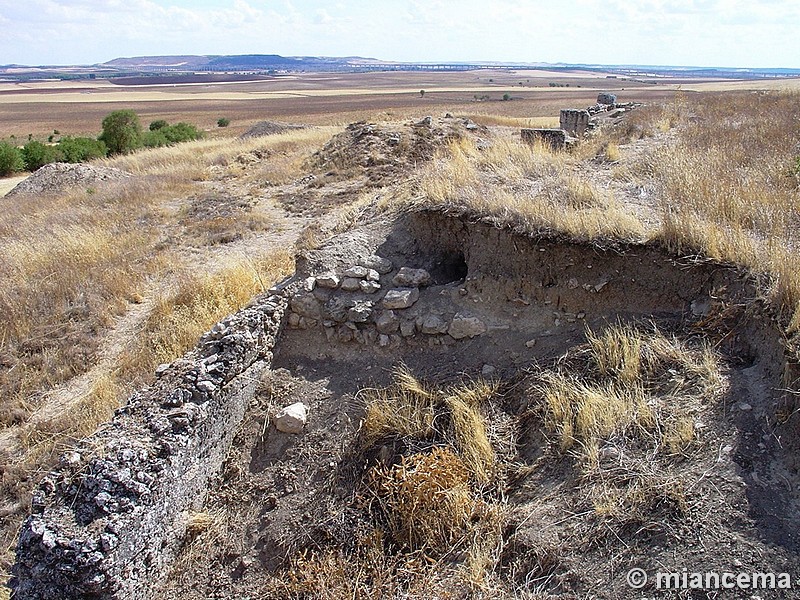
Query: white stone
[358, 272]
[408, 277]
[401, 298]
[463, 326]
[330, 281]
[292, 419]
[369, 287]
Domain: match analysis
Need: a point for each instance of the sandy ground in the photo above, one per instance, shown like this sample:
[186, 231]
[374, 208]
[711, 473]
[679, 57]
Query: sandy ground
[6, 185]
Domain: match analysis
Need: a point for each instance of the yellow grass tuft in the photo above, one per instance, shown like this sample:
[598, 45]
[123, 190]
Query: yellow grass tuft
[427, 499]
[637, 384]
[469, 428]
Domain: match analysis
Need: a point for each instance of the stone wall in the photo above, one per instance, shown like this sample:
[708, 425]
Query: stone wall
[109, 520]
[574, 122]
[556, 138]
[374, 302]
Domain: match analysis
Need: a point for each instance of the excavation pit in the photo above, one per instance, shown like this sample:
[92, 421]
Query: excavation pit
[288, 513]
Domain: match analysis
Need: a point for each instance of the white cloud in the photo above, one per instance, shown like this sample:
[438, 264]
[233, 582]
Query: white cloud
[721, 32]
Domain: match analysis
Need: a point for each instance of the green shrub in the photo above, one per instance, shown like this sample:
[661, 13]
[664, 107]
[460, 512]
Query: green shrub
[36, 155]
[181, 132]
[223, 122]
[156, 125]
[122, 132]
[154, 139]
[81, 149]
[11, 160]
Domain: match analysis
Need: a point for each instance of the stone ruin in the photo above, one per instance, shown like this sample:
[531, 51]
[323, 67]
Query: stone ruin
[606, 98]
[109, 520]
[576, 123]
[367, 305]
[557, 139]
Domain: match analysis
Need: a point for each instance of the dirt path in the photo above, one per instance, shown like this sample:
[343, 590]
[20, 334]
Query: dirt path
[636, 195]
[58, 402]
[6, 185]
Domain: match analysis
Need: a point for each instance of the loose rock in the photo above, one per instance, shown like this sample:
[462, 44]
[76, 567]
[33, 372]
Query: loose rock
[369, 287]
[388, 322]
[329, 281]
[463, 327]
[358, 272]
[379, 264]
[432, 324]
[292, 419]
[408, 277]
[351, 284]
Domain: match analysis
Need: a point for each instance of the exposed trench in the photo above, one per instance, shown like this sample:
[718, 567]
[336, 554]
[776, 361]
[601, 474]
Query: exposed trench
[499, 302]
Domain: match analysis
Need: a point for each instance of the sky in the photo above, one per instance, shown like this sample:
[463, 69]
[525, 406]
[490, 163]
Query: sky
[729, 33]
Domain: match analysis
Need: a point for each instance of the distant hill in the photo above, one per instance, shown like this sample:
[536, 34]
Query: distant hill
[241, 62]
[256, 65]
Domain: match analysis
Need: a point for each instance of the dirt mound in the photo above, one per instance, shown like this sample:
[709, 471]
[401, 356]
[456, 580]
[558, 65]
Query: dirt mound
[385, 151]
[57, 177]
[263, 128]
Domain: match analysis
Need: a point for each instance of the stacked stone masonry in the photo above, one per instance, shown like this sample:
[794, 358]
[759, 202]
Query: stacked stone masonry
[108, 522]
[373, 303]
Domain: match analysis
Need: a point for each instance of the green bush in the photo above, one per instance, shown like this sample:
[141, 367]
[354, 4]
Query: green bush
[11, 160]
[81, 149]
[223, 122]
[170, 134]
[154, 139]
[36, 155]
[156, 125]
[181, 132]
[122, 132]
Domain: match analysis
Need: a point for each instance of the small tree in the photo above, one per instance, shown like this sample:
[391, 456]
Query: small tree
[506, 97]
[156, 125]
[223, 122]
[422, 93]
[122, 132]
[10, 159]
[154, 139]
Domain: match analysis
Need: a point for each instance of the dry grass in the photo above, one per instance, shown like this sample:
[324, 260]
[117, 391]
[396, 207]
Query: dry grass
[191, 160]
[627, 406]
[182, 315]
[72, 263]
[528, 186]
[435, 502]
[728, 189]
[411, 411]
[69, 265]
[427, 499]
[630, 383]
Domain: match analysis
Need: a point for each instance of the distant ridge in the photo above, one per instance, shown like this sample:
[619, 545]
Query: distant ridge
[269, 64]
